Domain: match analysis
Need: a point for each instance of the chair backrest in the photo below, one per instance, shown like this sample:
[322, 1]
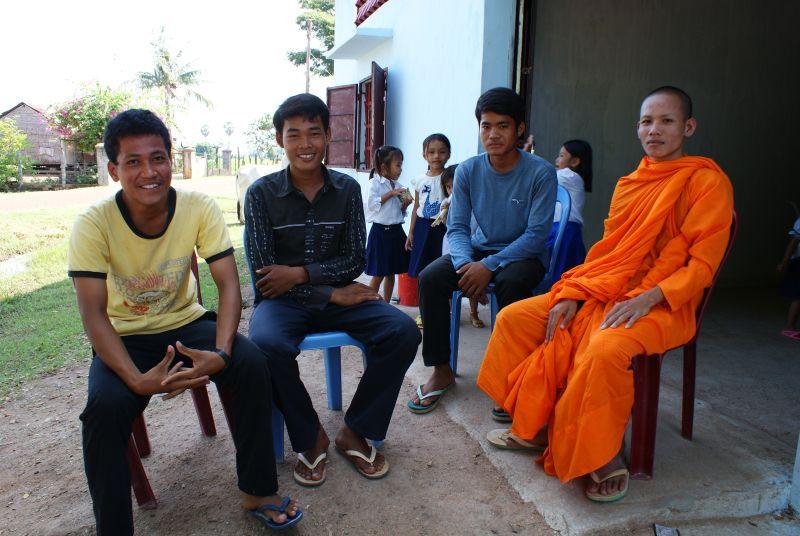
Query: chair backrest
[562, 198]
[701, 309]
[256, 295]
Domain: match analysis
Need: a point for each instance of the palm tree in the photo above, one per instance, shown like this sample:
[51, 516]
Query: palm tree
[228, 127]
[171, 77]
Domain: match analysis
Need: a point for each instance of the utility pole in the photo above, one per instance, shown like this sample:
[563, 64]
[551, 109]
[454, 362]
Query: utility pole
[308, 54]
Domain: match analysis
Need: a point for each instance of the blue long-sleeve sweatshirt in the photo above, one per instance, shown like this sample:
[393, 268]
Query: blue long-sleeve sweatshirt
[514, 211]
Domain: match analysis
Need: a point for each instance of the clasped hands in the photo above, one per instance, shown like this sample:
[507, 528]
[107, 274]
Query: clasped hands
[176, 379]
[627, 312]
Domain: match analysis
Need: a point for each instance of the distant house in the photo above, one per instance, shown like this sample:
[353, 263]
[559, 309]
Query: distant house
[405, 69]
[44, 145]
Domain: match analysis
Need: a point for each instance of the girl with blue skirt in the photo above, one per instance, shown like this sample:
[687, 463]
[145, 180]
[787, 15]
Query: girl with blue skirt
[386, 211]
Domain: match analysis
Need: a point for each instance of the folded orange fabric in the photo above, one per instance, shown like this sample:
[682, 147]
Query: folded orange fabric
[668, 225]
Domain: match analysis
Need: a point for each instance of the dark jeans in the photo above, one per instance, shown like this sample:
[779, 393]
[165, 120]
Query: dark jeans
[389, 336]
[112, 407]
[439, 280]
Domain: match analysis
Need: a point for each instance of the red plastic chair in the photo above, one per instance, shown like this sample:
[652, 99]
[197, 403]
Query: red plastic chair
[646, 381]
[139, 442]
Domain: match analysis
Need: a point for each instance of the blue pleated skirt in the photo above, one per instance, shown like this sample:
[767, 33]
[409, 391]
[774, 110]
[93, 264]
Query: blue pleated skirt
[386, 250]
[572, 251]
[427, 246]
[790, 284]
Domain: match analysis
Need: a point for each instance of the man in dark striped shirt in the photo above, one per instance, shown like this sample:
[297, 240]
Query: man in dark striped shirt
[304, 239]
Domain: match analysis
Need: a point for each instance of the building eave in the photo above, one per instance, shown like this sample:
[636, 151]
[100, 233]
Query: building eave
[362, 41]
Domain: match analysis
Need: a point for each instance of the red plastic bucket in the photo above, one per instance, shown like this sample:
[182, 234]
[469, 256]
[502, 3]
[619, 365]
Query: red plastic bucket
[407, 290]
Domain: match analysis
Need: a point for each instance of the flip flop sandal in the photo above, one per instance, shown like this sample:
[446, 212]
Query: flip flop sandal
[476, 322]
[791, 334]
[500, 436]
[597, 497]
[260, 514]
[350, 454]
[500, 415]
[300, 479]
[421, 408]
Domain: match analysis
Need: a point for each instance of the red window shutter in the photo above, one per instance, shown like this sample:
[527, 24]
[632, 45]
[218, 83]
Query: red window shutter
[342, 107]
[378, 106]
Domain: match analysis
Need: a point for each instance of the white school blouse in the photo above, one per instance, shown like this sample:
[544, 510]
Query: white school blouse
[574, 185]
[388, 213]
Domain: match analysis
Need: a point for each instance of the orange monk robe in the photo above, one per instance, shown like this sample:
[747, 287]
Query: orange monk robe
[668, 225]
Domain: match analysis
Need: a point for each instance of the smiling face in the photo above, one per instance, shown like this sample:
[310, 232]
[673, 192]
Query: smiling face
[144, 171]
[566, 160]
[499, 133]
[662, 127]
[436, 154]
[304, 141]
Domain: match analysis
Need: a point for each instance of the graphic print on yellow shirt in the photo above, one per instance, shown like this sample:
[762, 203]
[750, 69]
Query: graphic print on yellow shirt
[150, 285]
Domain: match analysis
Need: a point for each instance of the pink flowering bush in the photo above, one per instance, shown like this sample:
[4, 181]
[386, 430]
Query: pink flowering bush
[84, 119]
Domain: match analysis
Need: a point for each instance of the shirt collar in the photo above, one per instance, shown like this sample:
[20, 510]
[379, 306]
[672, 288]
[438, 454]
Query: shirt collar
[286, 186]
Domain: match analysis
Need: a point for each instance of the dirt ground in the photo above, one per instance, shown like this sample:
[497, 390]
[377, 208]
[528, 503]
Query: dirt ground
[440, 480]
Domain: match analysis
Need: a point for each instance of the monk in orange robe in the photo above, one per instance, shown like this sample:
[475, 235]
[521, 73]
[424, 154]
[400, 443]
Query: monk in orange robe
[559, 363]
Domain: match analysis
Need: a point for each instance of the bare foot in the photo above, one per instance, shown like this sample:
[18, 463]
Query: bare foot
[612, 485]
[320, 446]
[442, 377]
[347, 439]
[251, 502]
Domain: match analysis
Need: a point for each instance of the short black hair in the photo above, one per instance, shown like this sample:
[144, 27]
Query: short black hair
[303, 105]
[134, 122]
[686, 100]
[503, 101]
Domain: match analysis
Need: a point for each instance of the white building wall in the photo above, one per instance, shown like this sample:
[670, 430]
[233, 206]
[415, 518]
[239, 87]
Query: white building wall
[442, 55]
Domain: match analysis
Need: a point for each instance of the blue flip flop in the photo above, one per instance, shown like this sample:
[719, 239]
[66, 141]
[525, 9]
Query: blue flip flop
[260, 514]
[421, 408]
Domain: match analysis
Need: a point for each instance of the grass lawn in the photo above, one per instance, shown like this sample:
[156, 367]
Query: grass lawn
[40, 329]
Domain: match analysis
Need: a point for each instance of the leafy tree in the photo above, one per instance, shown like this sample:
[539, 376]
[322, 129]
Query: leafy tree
[261, 137]
[204, 130]
[171, 77]
[12, 141]
[84, 119]
[228, 128]
[320, 14]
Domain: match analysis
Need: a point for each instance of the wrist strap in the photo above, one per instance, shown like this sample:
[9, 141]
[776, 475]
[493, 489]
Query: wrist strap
[225, 357]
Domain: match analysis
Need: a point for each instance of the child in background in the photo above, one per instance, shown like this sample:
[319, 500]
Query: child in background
[425, 242]
[790, 285]
[448, 175]
[386, 207]
[574, 172]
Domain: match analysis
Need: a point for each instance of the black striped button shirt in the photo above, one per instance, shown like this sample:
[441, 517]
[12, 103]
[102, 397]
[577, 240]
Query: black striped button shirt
[326, 236]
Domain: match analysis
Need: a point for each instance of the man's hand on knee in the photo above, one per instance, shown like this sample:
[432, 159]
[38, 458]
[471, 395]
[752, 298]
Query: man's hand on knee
[353, 294]
[279, 279]
[475, 277]
[564, 308]
[629, 311]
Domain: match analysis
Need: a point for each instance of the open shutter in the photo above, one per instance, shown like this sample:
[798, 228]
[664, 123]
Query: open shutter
[378, 106]
[342, 107]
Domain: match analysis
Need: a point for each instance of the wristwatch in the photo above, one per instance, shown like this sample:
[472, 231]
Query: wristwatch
[225, 357]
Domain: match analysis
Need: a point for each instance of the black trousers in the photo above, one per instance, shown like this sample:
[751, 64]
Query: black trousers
[439, 280]
[112, 407]
[389, 336]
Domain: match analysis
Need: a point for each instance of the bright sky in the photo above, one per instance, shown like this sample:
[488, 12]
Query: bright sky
[50, 48]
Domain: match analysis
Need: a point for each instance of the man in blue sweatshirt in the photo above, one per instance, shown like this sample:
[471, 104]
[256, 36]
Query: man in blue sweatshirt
[512, 195]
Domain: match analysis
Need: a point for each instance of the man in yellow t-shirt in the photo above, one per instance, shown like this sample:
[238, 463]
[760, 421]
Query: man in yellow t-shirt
[129, 258]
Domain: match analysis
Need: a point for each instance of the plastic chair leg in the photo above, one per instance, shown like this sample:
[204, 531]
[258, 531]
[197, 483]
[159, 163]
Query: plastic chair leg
[455, 328]
[689, 374]
[277, 434]
[646, 381]
[145, 497]
[203, 407]
[139, 434]
[333, 375]
[493, 308]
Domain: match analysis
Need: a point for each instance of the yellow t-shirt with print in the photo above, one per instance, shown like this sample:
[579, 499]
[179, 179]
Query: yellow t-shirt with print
[151, 288]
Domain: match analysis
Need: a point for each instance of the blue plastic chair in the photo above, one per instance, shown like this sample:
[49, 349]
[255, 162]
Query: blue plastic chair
[563, 199]
[331, 345]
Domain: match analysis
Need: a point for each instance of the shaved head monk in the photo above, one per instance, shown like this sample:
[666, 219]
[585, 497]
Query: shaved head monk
[559, 363]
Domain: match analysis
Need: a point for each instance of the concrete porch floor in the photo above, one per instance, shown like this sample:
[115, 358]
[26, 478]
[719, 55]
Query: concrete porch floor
[739, 464]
